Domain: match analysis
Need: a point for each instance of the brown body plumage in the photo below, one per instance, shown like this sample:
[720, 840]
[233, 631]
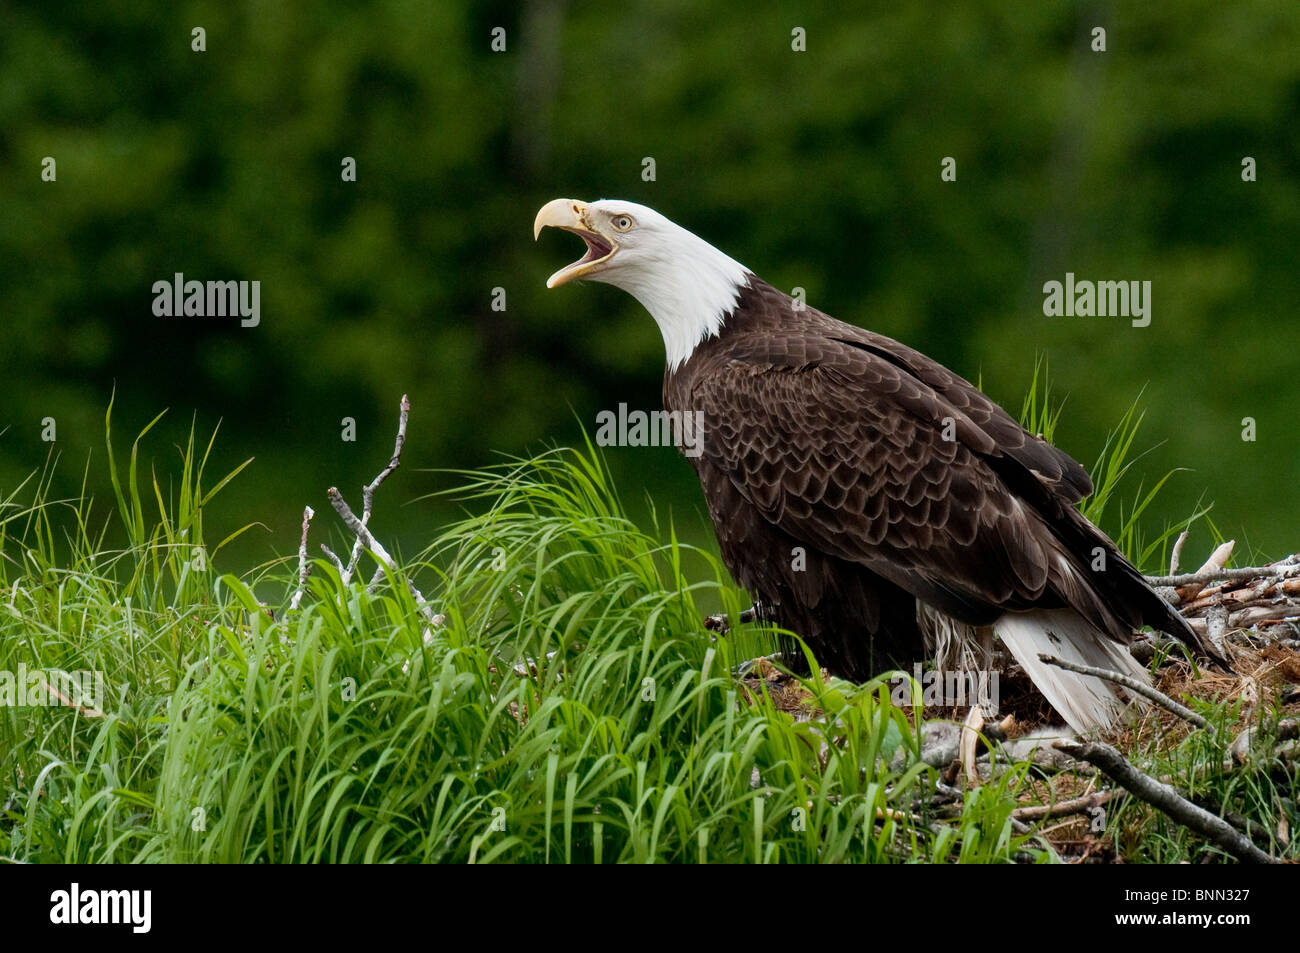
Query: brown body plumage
[848, 475]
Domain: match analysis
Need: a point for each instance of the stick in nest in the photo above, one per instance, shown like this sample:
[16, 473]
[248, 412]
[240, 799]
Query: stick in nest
[1078, 805]
[1177, 553]
[1288, 567]
[1160, 698]
[1165, 799]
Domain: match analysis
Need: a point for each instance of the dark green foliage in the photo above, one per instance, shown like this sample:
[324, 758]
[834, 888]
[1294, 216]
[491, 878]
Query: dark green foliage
[817, 169]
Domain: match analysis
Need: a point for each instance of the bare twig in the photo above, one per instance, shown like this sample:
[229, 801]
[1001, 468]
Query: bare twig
[333, 557]
[1160, 698]
[1216, 627]
[1177, 553]
[376, 549]
[1267, 589]
[353, 559]
[1078, 805]
[368, 494]
[365, 540]
[1164, 798]
[353, 522]
[1218, 559]
[1283, 570]
[304, 567]
[1245, 618]
[368, 491]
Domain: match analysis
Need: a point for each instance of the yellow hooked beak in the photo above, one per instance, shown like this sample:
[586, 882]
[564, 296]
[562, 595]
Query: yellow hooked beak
[571, 215]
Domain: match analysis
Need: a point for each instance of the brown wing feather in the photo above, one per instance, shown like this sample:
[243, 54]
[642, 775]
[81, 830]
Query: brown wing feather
[847, 453]
[765, 307]
[837, 438]
[1053, 467]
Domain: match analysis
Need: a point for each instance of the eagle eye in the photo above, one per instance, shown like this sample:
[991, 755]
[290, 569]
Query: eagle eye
[621, 222]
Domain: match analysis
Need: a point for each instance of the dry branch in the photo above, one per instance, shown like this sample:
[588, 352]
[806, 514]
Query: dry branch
[1287, 567]
[1165, 799]
[334, 558]
[1245, 618]
[969, 738]
[365, 540]
[1244, 595]
[1217, 602]
[368, 494]
[1078, 805]
[368, 491]
[1160, 698]
[1177, 553]
[376, 549]
[304, 567]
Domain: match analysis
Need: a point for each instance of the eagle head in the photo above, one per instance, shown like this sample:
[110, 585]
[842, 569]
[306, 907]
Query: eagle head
[607, 228]
[687, 285]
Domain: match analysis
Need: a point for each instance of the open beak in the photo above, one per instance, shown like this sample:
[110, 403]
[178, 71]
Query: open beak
[571, 215]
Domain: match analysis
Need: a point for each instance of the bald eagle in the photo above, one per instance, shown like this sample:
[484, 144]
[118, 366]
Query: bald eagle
[871, 500]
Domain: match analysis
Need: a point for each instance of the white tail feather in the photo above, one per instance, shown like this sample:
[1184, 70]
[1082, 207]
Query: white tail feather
[1085, 702]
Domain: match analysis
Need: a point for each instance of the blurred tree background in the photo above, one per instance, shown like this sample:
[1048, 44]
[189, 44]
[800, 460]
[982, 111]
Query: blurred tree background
[819, 169]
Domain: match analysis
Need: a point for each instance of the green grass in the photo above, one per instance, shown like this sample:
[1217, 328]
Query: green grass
[239, 732]
[1263, 793]
[234, 731]
[1104, 507]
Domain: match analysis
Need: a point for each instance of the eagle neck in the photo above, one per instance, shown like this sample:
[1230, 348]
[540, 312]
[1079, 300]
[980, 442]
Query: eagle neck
[689, 296]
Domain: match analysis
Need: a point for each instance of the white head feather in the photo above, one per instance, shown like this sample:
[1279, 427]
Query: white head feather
[687, 285]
